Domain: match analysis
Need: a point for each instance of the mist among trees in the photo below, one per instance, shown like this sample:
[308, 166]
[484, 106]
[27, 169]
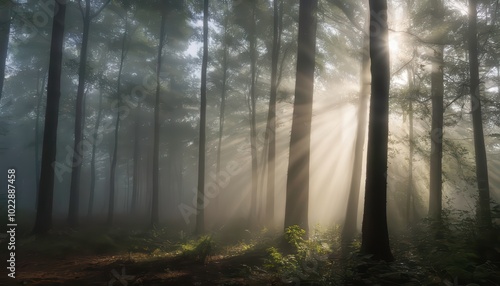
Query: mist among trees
[250, 142]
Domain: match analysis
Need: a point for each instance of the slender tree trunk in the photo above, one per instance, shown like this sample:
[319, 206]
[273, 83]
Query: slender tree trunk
[92, 160]
[351, 220]
[4, 39]
[156, 144]
[297, 188]
[126, 205]
[117, 128]
[39, 91]
[271, 117]
[43, 220]
[409, 195]
[77, 147]
[375, 237]
[223, 99]
[253, 129]
[200, 215]
[483, 206]
[437, 92]
[137, 159]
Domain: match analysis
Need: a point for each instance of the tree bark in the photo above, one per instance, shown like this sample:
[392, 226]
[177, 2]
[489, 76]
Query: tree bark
[43, 221]
[156, 144]
[483, 206]
[223, 98]
[77, 145]
[375, 237]
[5, 19]
[410, 201]
[200, 215]
[137, 159]
[39, 91]
[351, 220]
[297, 189]
[271, 117]
[437, 92]
[253, 129]
[117, 128]
[92, 160]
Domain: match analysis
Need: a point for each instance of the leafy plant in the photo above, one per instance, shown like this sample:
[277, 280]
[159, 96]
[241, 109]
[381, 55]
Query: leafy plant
[308, 260]
[198, 250]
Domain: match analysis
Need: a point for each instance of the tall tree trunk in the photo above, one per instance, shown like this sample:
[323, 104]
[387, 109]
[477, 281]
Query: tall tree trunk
[127, 204]
[271, 116]
[437, 91]
[375, 236]
[483, 206]
[223, 98]
[351, 220]
[137, 159]
[43, 221]
[92, 160]
[409, 195]
[297, 188]
[39, 91]
[117, 128]
[4, 39]
[77, 146]
[200, 215]
[253, 128]
[156, 144]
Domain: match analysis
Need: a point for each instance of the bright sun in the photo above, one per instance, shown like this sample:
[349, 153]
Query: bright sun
[393, 45]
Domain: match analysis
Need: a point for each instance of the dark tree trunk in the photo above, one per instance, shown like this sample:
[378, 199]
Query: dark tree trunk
[271, 117]
[39, 91]
[410, 201]
[117, 128]
[200, 215]
[4, 39]
[43, 220]
[483, 206]
[77, 146]
[137, 159]
[92, 160]
[127, 199]
[437, 91]
[155, 218]
[223, 99]
[253, 129]
[375, 237]
[351, 220]
[297, 189]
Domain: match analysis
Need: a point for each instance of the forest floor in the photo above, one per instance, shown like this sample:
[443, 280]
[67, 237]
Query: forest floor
[122, 257]
[75, 258]
[121, 270]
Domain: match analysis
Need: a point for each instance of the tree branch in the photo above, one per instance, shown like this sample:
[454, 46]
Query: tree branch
[100, 9]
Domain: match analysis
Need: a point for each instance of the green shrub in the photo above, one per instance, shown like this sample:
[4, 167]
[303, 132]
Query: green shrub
[198, 250]
[308, 260]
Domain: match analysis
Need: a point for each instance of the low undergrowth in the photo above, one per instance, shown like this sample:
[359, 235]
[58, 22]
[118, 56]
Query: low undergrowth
[451, 253]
